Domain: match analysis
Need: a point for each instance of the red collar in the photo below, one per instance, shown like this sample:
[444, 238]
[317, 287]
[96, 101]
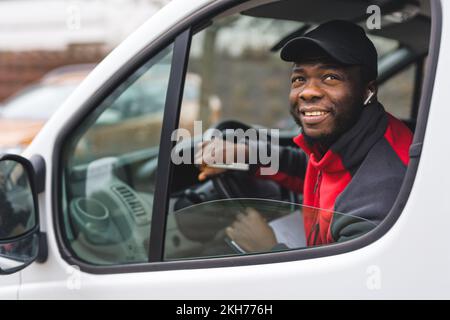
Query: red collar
[330, 161]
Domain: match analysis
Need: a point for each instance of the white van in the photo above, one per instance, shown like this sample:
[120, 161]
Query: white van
[97, 209]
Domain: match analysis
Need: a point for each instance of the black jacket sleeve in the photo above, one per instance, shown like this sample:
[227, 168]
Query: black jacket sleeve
[291, 168]
[370, 195]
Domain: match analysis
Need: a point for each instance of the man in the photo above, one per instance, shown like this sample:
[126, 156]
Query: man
[353, 154]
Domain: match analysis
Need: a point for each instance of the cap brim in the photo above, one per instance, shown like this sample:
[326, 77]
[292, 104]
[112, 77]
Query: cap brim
[297, 49]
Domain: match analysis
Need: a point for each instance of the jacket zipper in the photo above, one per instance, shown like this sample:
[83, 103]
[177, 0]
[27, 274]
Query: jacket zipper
[316, 228]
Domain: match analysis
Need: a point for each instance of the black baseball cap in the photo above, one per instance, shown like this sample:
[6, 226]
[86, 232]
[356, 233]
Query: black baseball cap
[343, 41]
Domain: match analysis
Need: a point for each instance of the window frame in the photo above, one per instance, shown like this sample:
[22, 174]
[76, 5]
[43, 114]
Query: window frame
[177, 35]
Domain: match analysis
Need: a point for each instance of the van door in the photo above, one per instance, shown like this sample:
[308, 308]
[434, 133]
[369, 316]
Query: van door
[9, 286]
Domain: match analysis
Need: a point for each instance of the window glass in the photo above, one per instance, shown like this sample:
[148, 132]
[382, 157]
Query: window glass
[17, 214]
[198, 231]
[109, 169]
[397, 93]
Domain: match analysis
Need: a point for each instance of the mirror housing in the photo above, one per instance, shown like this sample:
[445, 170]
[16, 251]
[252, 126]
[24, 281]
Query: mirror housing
[19, 214]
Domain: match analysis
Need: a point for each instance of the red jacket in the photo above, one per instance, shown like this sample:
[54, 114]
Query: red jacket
[351, 188]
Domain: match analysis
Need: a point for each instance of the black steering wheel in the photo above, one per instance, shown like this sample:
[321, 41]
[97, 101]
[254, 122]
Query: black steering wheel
[240, 184]
[203, 226]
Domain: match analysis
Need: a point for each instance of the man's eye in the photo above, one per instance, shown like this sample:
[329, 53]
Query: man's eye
[298, 79]
[331, 77]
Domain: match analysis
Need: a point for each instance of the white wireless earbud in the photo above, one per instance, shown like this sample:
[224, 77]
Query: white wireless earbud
[368, 98]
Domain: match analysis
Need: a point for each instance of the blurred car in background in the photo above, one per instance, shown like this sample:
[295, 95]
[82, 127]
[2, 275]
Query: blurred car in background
[23, 115]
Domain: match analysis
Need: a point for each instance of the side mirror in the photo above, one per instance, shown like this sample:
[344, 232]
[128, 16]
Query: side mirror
[19, 214]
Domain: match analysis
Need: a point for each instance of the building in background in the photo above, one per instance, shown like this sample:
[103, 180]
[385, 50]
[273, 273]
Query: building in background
[37, 36]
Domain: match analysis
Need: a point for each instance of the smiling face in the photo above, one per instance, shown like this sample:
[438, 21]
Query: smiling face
[326, 98]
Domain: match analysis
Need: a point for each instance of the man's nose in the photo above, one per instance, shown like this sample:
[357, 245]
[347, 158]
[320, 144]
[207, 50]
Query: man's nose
[310, 92]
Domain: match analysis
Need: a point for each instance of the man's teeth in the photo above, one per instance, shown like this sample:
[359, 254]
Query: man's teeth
[315, 113]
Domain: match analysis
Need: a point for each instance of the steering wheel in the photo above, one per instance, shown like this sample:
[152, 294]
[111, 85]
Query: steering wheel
[228, 185]
[239, 184]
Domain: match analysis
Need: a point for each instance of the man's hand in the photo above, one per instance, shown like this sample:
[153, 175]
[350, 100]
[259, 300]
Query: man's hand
[207, 154]
[251, 232]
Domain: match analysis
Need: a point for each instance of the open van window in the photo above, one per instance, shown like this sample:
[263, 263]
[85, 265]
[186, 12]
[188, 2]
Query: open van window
[234, 79]
[365, 164]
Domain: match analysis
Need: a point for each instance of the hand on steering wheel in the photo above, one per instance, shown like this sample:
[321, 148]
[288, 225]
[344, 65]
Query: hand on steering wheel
[212, 152]
[242, 187]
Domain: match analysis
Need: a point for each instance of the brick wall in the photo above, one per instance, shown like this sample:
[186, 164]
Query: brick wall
[19, 69]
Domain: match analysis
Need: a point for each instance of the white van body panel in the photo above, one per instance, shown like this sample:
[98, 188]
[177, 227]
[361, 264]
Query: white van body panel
[9, 286]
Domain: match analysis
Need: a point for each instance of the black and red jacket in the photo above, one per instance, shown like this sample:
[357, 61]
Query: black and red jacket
[352, 187]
